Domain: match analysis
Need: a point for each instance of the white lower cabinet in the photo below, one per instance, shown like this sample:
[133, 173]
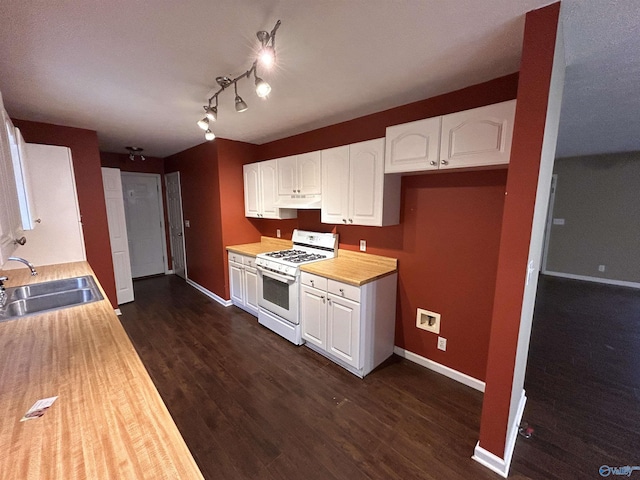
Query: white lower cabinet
[352, 326]
[243, 282]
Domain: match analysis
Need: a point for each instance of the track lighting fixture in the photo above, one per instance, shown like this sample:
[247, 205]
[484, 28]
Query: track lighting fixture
[135, 152]
[266, 58]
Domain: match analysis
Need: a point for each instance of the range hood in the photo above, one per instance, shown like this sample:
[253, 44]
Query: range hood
[299, 201]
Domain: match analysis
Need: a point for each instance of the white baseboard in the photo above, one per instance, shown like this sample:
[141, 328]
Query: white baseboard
[118, 312]
[493, 462]
[439, 368]
[169, 272]
[209, 293]
[607, 281]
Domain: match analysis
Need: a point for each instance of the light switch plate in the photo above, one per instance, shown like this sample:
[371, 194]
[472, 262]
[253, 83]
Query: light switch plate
[278, 233]
[363, 245]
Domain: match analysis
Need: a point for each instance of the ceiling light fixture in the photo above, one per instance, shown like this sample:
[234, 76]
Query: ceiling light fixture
[135, 152]
[266, 58]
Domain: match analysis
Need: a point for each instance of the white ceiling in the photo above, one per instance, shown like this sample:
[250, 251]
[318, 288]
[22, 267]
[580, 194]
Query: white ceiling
[139, 72]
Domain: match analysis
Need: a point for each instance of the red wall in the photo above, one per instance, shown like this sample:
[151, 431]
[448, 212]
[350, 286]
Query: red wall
[447, 242]
[526, 151]
[213, 202]
[86, 165]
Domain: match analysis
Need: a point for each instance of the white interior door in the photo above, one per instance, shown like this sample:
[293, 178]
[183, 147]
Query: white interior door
[176, 223]
[145, 223]
[118, 234]
[58, 238]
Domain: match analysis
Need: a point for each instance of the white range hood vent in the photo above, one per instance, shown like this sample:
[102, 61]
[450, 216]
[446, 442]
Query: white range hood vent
[299, 201]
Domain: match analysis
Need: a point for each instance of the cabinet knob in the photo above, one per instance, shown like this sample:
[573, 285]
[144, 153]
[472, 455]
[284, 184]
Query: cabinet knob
[351, 220]
[445, 162]
[433, 162]
[294, 190]
[311, 282]
[20, 241]
[322, 298]
[344, 220]
[342, 291]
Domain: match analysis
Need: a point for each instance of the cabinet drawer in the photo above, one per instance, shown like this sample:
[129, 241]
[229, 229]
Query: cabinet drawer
[235, 257]
[312, 280]
[344, 290]
[249, 261]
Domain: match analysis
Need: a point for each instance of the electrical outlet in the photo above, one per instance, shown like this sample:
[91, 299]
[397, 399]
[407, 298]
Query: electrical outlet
[601, 268]
[187, 223]
[278, 233]
[363, 245]
[442, 344]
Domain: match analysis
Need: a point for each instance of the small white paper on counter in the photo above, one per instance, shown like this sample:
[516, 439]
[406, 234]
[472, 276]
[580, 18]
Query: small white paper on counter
[39, 408]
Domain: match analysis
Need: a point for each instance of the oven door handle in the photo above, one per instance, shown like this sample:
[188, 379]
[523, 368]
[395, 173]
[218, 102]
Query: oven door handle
[277, 276]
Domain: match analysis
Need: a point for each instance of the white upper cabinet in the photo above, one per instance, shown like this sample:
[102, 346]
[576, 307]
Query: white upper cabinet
[481, 136]
[299, 174]
[413, 147]
[10, 220]
[355, 189]
[260, 191]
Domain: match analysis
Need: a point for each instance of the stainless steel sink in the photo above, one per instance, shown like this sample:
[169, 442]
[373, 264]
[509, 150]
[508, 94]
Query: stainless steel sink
[47, 296]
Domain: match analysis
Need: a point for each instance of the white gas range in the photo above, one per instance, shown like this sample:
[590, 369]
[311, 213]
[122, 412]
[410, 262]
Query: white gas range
[279, 281]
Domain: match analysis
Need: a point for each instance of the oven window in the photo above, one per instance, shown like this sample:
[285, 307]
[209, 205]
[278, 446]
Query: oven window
[275, 292]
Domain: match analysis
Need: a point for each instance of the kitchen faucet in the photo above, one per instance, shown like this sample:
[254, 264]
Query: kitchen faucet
[26, 262]
[3, 293]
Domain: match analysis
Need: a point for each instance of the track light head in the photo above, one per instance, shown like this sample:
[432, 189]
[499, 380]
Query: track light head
[204, 123]
[209, 135]
[241, 106]
[262, 88]
[211, 113]
[267, 56]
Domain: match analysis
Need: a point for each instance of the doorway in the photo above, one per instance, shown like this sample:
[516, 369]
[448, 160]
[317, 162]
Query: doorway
[145, 223]
[176, 224]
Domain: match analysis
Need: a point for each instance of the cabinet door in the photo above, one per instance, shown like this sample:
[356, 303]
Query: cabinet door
[366, 181]
[287, 175]
[236, 283]
[343, 329]
[251, 289]
[413, 147]
[252, 201]
[10, 222]
[309, 173]
[335, 185]
[268, 186]
[480, 136]
[313, 315]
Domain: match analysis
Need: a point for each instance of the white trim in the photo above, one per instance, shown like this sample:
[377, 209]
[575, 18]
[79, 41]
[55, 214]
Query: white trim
[169, 272]
[608, 281]
[441, 369]
[118, 312]
[210, 294]
[492, 461]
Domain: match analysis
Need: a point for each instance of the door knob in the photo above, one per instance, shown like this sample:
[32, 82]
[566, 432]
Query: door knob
[179, 234]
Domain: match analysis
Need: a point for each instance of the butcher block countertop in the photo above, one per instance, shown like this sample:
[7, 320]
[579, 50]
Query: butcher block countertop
[355, 268]
[266, 244]
[108, 421]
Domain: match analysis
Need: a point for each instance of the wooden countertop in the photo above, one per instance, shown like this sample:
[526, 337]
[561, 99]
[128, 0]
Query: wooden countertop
[266, 244]
[354, 268]
[109, 420]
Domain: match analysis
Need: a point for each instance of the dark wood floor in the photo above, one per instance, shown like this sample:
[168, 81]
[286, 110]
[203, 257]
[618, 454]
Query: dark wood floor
[582, 382]
[252, 405]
